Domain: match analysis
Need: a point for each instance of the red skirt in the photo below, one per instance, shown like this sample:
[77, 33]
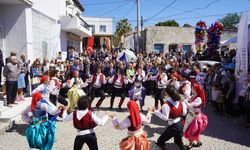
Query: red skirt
[135, 143]
[196, 127]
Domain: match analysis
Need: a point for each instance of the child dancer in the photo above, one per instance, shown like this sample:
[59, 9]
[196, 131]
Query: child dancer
[172, 111]
[137, 138]
[198, 122]
[85, 121]
[41, 132]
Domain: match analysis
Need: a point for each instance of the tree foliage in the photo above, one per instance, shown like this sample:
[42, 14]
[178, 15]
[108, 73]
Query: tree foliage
[230, 20]
[187, 25]
[170, 23]
[122, 27]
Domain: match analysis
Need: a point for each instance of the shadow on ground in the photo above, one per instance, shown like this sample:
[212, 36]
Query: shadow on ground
[19, 128]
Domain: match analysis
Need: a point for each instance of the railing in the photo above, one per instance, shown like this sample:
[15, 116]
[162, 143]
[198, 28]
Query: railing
[84, 24]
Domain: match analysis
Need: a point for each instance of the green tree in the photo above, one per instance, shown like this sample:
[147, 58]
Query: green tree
[230, 20]
[170, 23]
[187, 25]
[122, 27]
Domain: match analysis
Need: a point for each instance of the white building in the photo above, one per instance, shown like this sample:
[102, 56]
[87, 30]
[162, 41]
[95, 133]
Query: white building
[40, 28]
[102, 30]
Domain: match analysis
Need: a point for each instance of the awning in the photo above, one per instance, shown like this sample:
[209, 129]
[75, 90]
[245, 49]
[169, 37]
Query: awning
[229, 41]
[76, 26]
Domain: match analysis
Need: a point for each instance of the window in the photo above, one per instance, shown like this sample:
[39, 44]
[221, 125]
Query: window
[186, 48]
[93, 28]
[102, 28]
[158, 48]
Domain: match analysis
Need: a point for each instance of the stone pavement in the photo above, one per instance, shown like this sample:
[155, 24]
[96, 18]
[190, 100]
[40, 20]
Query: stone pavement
[221, 134]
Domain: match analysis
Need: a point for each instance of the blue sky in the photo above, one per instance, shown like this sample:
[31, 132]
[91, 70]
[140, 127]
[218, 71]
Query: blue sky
[183, 11]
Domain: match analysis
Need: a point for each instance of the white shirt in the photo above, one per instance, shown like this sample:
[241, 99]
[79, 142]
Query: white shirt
[80, 114]
[118, 83]
[165, 111]
[163, 82]
[54, 88]
[176, 84]
[191, 105]
[98, 83]
[187, 89]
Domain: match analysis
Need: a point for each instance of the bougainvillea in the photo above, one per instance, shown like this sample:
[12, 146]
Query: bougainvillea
[213, 37]
[200, 32]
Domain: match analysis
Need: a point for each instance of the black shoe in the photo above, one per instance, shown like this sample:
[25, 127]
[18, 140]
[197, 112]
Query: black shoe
[120, 109]
[110, 108]
[163, 147]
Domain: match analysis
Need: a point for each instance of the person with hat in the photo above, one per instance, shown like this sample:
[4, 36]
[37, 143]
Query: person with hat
[161, 80]
[137, 138]
[43, 87]
[185, 85]
[41, 132]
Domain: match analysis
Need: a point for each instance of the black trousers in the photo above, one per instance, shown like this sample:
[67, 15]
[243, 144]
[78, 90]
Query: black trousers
[11, 88]
[174, 130]
[53, 99]
[1, 70]
[159, 95]
[95, 92]
[248, 115]
[118, 92]
[89, 139]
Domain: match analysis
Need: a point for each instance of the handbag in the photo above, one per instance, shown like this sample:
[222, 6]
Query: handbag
[35, 80]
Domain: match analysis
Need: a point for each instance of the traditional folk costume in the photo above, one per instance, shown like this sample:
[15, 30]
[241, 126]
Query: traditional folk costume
[55, 85]
[118, 82]
[85, 121]
[73, 95]
[196, 121]
[172, 111]
[41, 132]
[43, 88]
[137, 138]
[161, 80]
[97, 82]
[174, 82]
[185, 89]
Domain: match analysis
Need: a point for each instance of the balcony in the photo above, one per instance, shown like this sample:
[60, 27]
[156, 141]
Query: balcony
[75, 25]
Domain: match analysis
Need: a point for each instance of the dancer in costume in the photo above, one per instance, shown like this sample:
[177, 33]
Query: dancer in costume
[196, 121]
[118, 81]
[172, 111]
[185, 87]
[43, 87]
[161, 79]
[41, 132]
[174, 80]
[84, 120]
[97, 81]
[137, 138]
[138, 92]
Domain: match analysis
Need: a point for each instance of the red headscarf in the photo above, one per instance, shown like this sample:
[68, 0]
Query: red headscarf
[175, 74]
[44, 78]
[134, 114]
[35, 98]
[200, 91]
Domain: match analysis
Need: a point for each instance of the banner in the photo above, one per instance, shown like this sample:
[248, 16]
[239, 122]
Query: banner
[241, 65]
[90, 45]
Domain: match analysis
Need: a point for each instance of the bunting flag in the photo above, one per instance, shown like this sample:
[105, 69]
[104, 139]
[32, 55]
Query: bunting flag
[90, 45]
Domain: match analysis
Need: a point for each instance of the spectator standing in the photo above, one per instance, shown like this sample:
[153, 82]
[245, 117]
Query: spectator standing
[11, 72]
[1, 65]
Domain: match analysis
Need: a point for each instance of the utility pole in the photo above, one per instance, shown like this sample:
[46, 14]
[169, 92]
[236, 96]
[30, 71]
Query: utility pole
[138, 25]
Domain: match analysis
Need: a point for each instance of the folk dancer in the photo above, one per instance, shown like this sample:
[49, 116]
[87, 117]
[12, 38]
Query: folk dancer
[84, 120]
[118, 81]
[196, 121]
[137, 138]
[41, 132]
[172, 111]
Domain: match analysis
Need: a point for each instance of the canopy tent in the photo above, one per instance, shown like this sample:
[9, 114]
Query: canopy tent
[126, 55]
[229, 41]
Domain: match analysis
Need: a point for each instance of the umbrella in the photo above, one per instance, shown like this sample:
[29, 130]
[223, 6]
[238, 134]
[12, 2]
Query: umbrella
[229, 41]
[126, 55]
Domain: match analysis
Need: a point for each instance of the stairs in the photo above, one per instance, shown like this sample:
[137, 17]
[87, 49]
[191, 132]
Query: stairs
[10, 115]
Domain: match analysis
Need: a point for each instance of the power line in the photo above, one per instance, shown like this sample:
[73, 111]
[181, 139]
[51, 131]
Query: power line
[194, 9]
[105, 3]
[107, 12]
[196, 17]
[162, 10]
[131, 8]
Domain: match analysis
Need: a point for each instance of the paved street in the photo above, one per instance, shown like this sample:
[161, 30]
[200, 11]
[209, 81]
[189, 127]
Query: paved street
[221, 134]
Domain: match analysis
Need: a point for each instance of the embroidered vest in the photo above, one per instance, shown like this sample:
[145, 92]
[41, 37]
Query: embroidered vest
[175, 112]
[116, 77]
[85, 123]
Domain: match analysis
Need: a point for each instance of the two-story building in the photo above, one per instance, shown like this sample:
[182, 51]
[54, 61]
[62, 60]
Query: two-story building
[102, 31]
[40, 28]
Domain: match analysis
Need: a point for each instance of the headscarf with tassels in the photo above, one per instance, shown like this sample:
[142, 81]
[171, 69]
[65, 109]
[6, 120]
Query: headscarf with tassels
[134, 114]
[35, 98]
[200, 93]
[44, 78]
